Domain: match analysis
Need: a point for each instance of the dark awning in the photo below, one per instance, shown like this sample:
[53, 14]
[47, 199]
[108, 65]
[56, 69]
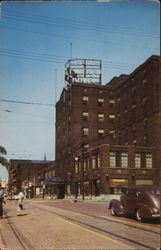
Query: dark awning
[55, 180]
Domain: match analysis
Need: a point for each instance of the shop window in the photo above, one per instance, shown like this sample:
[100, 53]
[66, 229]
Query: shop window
[124, 160]
[148, 160]
[101, 117]
[137, 160]
[112, 159]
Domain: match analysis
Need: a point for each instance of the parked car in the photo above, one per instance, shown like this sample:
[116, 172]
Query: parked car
[139, 201]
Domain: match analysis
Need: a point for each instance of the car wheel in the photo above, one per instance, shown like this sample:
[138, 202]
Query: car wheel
[113, 211]
[138, 215]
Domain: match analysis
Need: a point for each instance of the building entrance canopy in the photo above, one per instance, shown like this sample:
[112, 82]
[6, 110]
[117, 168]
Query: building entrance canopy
[55, 180]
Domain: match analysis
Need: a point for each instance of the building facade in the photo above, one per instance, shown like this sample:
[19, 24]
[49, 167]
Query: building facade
[123, 114]
[30, 175]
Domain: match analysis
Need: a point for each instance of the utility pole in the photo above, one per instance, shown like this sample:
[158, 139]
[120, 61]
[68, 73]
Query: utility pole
[70, 50]
[82, 167]
[55, 85]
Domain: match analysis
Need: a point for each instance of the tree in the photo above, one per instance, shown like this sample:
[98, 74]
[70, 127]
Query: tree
[3, 160]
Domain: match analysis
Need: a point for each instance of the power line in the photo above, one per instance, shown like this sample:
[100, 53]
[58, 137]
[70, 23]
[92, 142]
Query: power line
[28, 103]
[51, 59]
[23, 16]
[67, 36]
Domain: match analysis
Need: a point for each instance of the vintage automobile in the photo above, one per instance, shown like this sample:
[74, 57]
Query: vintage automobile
[139, 201]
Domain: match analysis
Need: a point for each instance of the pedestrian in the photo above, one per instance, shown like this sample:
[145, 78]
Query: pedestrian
[1, 202]
[20, 202]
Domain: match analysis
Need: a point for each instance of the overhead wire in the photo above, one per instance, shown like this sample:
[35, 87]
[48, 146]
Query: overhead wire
[108, 41]
[23, 16]
[53, 58]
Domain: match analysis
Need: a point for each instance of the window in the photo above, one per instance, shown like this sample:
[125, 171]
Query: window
[137, 160]
[111, 117]
[100, 101]
[101, 117]
[112, 159]
[85, 131]
[111, 103]
[148, 160]
[85, 116]
[100, 132]
[98, 161]
[86, 147]
[112, 133]
[86, 164]
[124, 160]
[85, 100]
[76, 167]
[95, 161]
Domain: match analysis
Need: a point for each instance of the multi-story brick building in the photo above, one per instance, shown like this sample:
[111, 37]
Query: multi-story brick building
[123, 114]
[30, 175]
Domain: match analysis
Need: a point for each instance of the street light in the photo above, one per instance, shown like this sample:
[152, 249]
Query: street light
[69, 178]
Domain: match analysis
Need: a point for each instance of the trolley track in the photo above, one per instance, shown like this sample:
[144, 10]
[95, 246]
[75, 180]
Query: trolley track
[105, 218]
[98, 229]
[20, 238]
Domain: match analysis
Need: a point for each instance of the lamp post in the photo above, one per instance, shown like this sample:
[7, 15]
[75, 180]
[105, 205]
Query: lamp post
[77, 160]
[69, 178]
[82, 168]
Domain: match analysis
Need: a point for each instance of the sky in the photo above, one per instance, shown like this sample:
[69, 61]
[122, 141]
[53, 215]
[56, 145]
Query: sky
[37, 39]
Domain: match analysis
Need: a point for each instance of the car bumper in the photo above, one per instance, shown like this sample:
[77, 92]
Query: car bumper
[155, 215]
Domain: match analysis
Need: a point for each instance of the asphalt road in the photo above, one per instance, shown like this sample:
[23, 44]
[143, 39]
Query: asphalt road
[64, 224]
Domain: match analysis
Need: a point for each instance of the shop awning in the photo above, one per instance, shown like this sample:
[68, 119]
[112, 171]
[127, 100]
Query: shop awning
[55, 180]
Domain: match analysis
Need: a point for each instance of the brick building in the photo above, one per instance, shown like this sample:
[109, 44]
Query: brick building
[30, 175]
[123, 114]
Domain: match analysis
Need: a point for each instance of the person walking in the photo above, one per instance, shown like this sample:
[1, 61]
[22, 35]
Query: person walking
[20, 202]
[1, 202]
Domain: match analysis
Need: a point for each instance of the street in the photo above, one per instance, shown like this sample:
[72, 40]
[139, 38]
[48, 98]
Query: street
[64, 224]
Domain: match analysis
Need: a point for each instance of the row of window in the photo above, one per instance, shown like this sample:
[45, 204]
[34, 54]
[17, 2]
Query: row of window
[99, 100]
[101, 116]
[117, 159]
[101, 132]
[121, 160]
